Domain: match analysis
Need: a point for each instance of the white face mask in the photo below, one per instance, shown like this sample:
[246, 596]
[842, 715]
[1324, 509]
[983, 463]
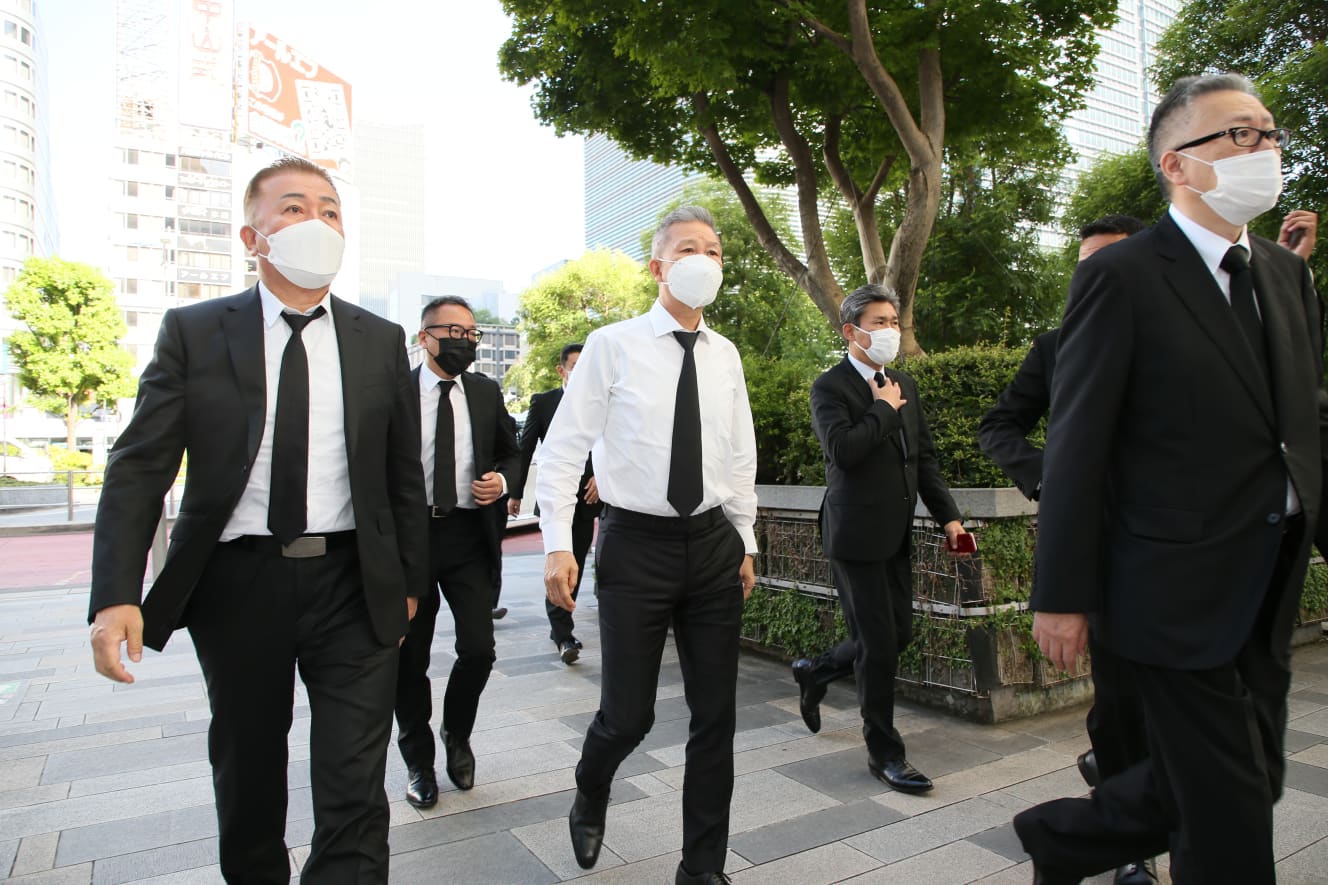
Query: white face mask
[694, 280]
[308, 254]
[1248, 185]
[884, 345]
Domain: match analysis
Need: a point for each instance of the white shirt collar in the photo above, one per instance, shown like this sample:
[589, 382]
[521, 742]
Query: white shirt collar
[663, 323]
[1212, 248]
[273, 308]
[867, 372]
[429, 378]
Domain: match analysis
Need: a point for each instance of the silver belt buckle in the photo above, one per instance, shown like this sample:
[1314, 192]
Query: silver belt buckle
[305, 547]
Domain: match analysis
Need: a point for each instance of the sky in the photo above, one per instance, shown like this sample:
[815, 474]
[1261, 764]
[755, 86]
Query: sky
[504, 194]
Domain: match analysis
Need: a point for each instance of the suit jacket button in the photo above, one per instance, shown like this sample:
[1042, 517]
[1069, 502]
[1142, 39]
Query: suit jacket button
[1273, 518]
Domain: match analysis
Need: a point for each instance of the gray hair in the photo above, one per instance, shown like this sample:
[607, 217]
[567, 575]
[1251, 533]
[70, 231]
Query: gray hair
[679, 216]
[852, 307]
[1172, 114]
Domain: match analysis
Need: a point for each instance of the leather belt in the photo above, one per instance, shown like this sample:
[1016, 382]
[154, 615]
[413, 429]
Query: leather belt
[303, 547]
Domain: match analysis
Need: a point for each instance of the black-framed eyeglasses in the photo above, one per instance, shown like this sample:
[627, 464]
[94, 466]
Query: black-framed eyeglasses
[1245, 136]
[454, 330]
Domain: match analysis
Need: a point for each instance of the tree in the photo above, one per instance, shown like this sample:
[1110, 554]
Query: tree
[567, 304]
[69, 354]
[485, 317]
[1282, 45]
[814, 95]
[1116, 184]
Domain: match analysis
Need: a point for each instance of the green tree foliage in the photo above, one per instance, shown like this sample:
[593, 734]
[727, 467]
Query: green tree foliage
[830, 98]
[68, 353]
[566, 304]
[1282, 45]
[1116, 184]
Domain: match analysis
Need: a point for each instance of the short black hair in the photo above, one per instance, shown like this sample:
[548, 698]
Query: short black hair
[441, 301]
[567, 351]
[1112, 224]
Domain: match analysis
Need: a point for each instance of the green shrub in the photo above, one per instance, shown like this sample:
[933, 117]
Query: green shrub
[788, 620]
[63, 460]
[1314, 599]
[787, 452]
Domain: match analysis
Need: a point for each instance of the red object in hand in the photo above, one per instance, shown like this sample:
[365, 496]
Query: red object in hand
[964, 542]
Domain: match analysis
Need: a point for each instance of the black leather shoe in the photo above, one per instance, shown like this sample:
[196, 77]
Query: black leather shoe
[586, 824]
[810, 694]
[576, 642]
[1143, 872]
[568, 651]
[1087, 763]
[422, 791]
[685, 878]
[500, 612]
[898, 773]
[460, 761]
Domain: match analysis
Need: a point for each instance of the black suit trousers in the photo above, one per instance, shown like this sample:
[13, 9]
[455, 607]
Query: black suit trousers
[1115, 723]
[1215, 768]
[657, 572]
[583, 533]
[255, 618]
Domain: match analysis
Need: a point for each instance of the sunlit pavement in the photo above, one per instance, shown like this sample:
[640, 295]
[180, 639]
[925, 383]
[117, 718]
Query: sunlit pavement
[105, 784]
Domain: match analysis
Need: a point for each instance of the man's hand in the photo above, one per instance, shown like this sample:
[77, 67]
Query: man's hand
[747, 572]
[110, 627]
[953, 529]
[1302, 226]
[560, 578]
[487, 489]
[592, 492]
[890, 393]
[1062, 637]
[513, 506]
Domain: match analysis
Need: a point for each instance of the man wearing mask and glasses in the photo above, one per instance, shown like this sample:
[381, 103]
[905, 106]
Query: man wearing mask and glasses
[469, 455]
[1182, 481]
[879, 458]
[662, 400]
[299, 545]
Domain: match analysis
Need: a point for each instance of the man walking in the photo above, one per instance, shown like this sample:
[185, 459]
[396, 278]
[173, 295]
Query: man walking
[468, 453]
[543, 406]
[1182, 482]
[300, 539]
[663, 401]
[879, 457]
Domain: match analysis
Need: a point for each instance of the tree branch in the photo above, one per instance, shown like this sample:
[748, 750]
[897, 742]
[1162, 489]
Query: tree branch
[820, 27]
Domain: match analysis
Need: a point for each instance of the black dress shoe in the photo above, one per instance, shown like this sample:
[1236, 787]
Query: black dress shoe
[568, 651]
[576, 642]
[460, 761]
[500, 612]
[899, 774]
[1087, 763]
[1143, 872]
[685, 878]
[810, 694]
[422, 791]
[586, 824]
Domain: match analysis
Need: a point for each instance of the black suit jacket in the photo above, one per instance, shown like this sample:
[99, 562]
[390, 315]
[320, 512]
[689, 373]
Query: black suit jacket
[873, 476]
[1003, 431]
[494, 441]
[1169, 449]
[539, 418]
[204, 394]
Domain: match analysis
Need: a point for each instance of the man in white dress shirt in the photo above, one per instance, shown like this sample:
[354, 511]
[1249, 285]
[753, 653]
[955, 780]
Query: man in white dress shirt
[662, 400]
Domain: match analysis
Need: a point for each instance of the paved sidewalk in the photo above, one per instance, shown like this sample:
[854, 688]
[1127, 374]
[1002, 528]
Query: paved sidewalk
[107, 784]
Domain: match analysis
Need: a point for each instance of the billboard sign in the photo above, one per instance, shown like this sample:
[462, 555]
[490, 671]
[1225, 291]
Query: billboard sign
[207, 90]
[295, 104]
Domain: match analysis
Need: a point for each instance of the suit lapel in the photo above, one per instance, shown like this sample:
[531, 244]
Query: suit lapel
[346, 320]
[242, 326]
[1192, 282]
[480, 428]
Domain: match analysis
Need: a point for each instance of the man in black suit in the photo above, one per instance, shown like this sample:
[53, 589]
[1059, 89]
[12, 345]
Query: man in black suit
[1182, 482]
[469, 456]
[879, 457]
[300, 538]
[542, 409]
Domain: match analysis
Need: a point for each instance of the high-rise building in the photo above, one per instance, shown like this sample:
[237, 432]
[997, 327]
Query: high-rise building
[27, 223]
[390, 172]
[623, 196]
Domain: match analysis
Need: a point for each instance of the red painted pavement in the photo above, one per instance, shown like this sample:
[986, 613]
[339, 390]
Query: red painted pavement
[63, 560]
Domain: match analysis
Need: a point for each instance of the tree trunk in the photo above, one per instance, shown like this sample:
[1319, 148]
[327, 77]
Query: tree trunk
[908, 246]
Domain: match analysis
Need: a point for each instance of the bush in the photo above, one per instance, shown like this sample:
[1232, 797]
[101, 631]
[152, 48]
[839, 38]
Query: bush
[63, 460]
[780, 391]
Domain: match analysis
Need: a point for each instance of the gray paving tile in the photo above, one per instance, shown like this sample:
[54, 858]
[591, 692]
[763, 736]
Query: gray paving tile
[1296, 741]
[933, 829]
[8, 851]
[59, 734]
[195, 726]
[1001, 840]
[1307, 778]
[1306, 866]
[762, 715]
[936, 754]
[495, 859]
[530, 665]
[808, 831]
[94, 762]
[842, 776]
[823, 865]
[1314, 697]
[174, 858]
[148, 832]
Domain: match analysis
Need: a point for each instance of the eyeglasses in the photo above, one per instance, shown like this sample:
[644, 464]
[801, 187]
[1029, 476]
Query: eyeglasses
[1245, 136]
[452, 330]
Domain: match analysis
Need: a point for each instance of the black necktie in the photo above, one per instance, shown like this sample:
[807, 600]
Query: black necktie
[903, 443]
[444, 454]
[287, 508]
[880, 379]
[685, 461]
[1236, 262]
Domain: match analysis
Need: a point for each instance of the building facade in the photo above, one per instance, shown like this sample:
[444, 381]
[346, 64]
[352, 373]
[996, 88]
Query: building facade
[390, 172]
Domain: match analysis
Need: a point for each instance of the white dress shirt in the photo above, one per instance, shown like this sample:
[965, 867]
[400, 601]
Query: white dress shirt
[329, 504]
[620, 400]
[1212, 248]
[463, 444]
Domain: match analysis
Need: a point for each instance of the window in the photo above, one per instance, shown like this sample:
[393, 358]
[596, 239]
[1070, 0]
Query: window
[129, 286]
[131, 157]
[131, 188]
[170, 191]
[170, 161]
